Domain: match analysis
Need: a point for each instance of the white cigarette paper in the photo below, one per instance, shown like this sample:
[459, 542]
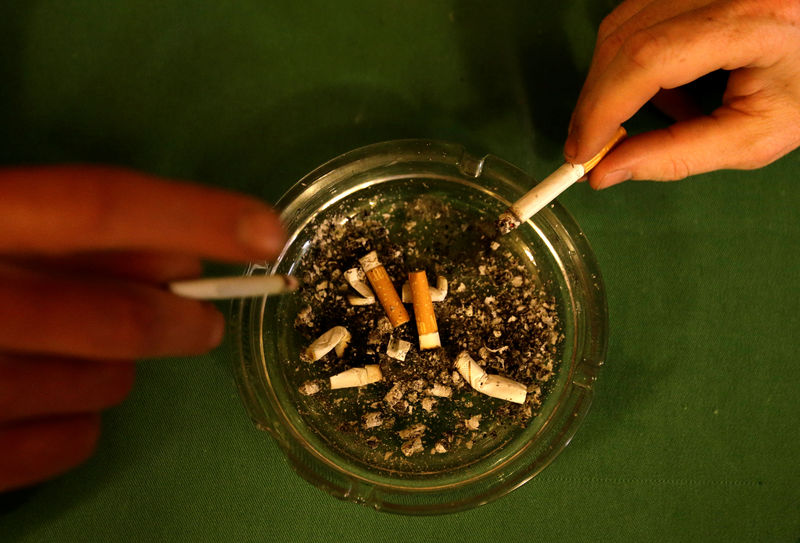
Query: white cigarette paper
[357, 377]
[356, 278]
[438, 293]
[541, 195]
[221, 288]
[336, 338]
[495, 386]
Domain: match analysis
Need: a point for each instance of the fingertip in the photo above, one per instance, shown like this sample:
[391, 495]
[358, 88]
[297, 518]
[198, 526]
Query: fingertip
[261, 233]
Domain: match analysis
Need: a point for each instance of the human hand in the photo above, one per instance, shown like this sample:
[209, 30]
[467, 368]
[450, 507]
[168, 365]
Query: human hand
[84, 254]
[647, 45]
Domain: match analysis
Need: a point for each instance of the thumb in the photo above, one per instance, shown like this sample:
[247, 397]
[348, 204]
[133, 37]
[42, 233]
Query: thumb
[726, 139]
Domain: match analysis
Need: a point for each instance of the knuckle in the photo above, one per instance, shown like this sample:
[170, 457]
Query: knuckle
[608, 48]
[607, 26]
[645, 49]
[677, 168]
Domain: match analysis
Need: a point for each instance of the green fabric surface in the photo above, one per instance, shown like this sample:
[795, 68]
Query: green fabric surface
[693, 435]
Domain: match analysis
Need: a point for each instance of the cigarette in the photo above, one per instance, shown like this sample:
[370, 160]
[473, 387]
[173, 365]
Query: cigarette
[438, 293]
[550, 187]
[495, 386]
[356, 278]
[384, 289]
[336, 338]
[221, 288]
[357, 377]
[398, 348]
[423, 311]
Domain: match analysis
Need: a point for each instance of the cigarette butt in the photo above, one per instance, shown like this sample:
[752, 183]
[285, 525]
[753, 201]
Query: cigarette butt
[221, 288]
[469, 369]
[336, 338]
[503, 388]
[356, 377]
[423, 311]
[356, 278]
[384, 289]
[438, 293]
[495, 386]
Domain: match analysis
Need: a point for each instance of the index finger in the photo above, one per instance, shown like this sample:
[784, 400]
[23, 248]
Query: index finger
[64, 209]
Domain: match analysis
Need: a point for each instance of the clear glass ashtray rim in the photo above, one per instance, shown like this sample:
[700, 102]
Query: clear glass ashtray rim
[506, 183]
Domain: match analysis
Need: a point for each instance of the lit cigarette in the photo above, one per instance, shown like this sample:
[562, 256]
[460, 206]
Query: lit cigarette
[423, 311]
[356, 278]
[357, 377]
[495, 386]
[336, 338]
[384, 289]
[438, 293]
[221, 288]
[550, 187]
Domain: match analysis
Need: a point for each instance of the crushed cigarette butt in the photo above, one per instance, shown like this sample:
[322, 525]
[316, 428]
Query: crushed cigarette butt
[356, 377]
[398, 348]
[337, 338]
[495, 386]
[356, 278]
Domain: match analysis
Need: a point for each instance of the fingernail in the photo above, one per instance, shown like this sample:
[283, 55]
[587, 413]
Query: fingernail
[614, 178]
[262, 233]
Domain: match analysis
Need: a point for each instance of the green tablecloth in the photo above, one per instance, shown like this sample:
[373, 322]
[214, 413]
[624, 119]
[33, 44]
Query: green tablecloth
[694, 431]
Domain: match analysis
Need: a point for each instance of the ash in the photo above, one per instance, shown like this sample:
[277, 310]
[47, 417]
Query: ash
[495, 310]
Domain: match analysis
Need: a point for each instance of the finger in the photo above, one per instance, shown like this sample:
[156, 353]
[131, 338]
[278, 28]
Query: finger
[610, 39]
[629, 17]
[56, 210]
[31, 452]
[667, 55]
[155, 268]
[104, 318]
[727, 139]
[38, 386]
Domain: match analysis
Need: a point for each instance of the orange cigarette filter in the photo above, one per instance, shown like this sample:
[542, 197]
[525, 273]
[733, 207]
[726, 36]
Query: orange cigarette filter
[384, 289]
[423, 311]
[619, 135]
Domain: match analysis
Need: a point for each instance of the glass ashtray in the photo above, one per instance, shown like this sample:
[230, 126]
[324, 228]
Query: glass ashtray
[322, 434]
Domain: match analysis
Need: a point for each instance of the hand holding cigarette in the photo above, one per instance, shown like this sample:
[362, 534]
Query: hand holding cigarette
[551, 186]
[85, 254]
[644, 46]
